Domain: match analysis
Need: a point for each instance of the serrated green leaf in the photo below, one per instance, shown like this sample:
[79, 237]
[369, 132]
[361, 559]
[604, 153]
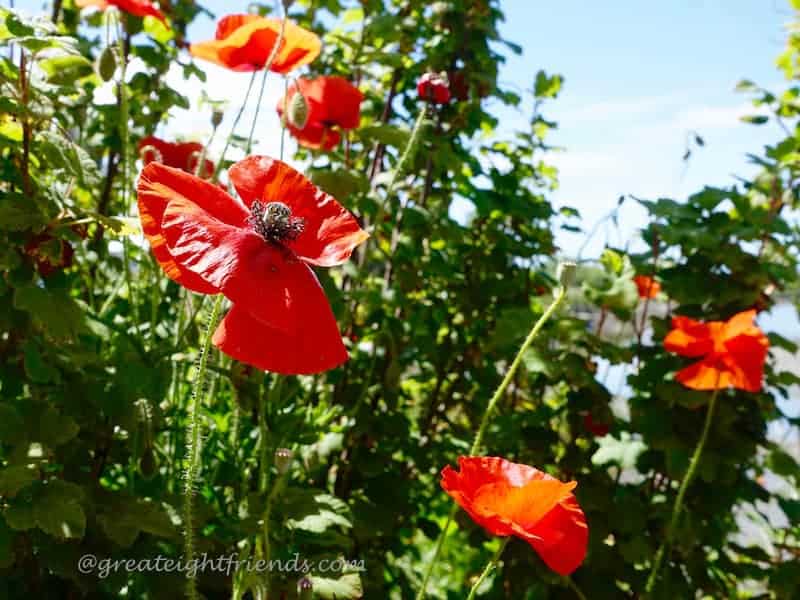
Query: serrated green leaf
[65, 70]
[346, 587]
[16, 478]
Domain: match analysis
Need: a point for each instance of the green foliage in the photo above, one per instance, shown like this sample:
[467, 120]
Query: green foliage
[96, 356]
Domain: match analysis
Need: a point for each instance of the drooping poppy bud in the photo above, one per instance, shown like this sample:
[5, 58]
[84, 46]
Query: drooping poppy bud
[283, 460]
[434, 87]
[297, 111]
[566, 273]
[305, 589]
[106, 64]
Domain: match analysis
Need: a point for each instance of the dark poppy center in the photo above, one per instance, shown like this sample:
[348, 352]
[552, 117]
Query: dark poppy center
[274, 222]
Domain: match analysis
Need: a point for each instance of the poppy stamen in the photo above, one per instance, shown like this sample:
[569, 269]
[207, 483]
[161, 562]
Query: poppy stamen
[275, 223]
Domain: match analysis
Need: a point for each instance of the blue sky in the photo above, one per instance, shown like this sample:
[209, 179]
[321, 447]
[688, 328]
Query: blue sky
[639, 75]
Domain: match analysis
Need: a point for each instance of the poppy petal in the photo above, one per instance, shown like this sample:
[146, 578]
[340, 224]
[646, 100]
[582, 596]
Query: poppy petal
[264, 279]
[706, 375]
[158, 185]
[689, 337]
[331, 232]
[561, 537]
[749, 353]
[248, 42]
[316, 346]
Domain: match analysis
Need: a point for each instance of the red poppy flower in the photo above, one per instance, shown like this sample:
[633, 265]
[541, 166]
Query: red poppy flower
[181, 155]
[434, 87]
[139, 8]
[331, 103]
[647, 286]
[257, 253]
[507, 498]
[733, 352]
[244, 43]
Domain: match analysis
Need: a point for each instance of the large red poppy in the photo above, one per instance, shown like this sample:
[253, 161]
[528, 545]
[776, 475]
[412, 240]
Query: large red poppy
[507, 498]
[332, 102]
[647, 286]
[139, 8]
[180, 155]
[257, 253]
[244, 42]
[733, 352]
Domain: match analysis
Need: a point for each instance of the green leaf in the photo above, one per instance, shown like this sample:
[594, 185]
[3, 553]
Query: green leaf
[755, 119]
[388, 135]
[12, 425]
[6, 545]
[62, 153]
[124, 517]
[55, 508]
[65, 323]
[11, 130]
[18, 213]
[547, 87]
[16, 478]
[66, 70]
[36, 368]
[340, 183]
[56, 429]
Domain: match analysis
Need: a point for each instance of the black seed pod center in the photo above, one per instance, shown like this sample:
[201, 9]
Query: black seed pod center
[274, 222]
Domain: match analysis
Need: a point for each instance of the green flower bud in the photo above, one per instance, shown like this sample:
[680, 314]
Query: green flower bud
[148, 463]
[566, 273]
[297, 111]
[283, 460]
[106, 64]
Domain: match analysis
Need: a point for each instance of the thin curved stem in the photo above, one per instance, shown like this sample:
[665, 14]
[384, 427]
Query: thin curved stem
[489, 568]
[571, 585]
[499, 392]
[238, 118]
[676, 509]
[273, 54]
[193, 447]
[512, 370]
[398, 169]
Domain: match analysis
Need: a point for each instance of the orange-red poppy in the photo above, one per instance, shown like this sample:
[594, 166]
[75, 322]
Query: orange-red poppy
[434, 87]
[647, 286]
[181, 155]
[507, 498]
[332, 103]
[733, 352]
[257, 251]
[244, 42]
[139, 8]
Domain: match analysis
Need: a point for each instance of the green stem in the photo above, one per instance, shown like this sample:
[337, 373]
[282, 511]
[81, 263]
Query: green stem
[509, 377]
[238, 118]
[193, 447]
[489, 568]
[571, 585]
[273, 54]
[512, 370]
[676, 509]
[398, 170]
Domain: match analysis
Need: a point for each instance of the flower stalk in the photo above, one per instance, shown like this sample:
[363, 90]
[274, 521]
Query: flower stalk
[489, 568]
[676, 509]
[561, 294]
[193, 447]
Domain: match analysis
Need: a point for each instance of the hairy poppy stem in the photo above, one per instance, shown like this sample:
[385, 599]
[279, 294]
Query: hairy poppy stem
[398, 169]
[499, 392]
[193, 448]
[512, 370]
[676, 510]
[489, 568]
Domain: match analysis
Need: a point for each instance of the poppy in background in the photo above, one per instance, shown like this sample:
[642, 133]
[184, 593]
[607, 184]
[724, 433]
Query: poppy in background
[507, 498]
[326, 105]
[732, 352]
[180, 155]
[244, 42]
[434, 87]
[257, 251]
[139, 8]
[647, 286]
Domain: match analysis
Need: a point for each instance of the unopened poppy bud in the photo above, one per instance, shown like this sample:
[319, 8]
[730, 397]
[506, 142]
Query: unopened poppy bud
[566, 273]
[283, 460]
[106, 64]
[216, 117]
[305, 589]
[297, 111]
